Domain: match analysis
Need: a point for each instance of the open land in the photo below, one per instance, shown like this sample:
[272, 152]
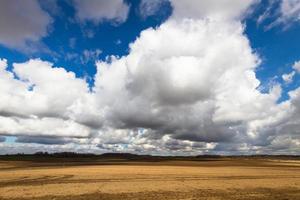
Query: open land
[160, 179]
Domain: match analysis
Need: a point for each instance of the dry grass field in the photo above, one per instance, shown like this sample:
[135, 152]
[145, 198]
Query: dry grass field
[162, 180]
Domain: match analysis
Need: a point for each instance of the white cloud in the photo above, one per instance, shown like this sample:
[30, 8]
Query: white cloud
[289, 10]
[296, 66]
[90, 55]
[150, 8]
[13, 148]
[284, 12]
[22, 23]
[44, 100]
[288, 78]
[42, 127]
[101, 10]
[40, 90]
[187, 89]
[193, 90]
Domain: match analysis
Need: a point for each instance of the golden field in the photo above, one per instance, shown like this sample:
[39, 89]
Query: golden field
[237, 178]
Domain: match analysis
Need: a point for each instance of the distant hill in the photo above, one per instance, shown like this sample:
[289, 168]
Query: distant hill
[89, 157]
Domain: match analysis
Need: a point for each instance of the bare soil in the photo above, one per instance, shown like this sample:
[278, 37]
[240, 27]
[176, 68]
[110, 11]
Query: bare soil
[163, 180]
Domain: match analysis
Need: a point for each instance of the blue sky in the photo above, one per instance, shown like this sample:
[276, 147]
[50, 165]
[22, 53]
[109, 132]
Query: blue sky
[75, 35]
[279, 48]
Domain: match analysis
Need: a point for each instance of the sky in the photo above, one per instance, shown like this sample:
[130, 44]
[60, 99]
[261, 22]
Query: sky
[160, 77]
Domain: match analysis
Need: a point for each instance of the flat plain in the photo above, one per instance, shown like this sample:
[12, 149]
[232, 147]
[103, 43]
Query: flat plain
[219, 178]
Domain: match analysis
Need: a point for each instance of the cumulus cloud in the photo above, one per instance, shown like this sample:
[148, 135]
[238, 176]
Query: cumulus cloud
[22, 23]
[165, 85]
[187, 90]
[40, 89]
[42, 127]
[101, 10]
[186, 87]
[39, 99]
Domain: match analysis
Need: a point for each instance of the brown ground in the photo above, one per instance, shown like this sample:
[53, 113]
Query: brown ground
[164, 180]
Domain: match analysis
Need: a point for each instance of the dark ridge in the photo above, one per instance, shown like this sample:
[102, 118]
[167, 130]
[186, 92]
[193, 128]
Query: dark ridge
[74, 157]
